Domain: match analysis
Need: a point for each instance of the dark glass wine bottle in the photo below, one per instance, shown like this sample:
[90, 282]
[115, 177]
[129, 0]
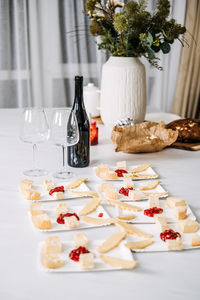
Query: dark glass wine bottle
[79, 154]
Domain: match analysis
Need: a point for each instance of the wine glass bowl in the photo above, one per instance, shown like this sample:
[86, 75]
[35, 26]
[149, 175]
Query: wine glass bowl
[34, 129]
[72, 130]
[64, 132]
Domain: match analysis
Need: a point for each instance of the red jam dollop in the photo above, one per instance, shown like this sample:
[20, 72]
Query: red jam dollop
[125, 191]
[100, 215]
[56, 189]
[74, 254]
[60, 219]
[169, 234]
[120, 172]
[152, 211]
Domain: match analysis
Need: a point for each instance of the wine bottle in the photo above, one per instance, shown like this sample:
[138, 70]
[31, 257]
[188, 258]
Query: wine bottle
[79, 154]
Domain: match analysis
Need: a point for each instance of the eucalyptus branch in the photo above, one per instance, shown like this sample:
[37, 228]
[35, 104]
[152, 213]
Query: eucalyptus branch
[102, 9]
[153, 62]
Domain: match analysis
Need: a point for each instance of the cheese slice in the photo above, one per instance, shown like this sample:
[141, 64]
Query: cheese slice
[188, 226]
[150, 186]
[123, 205]
[90, 207]
[42, 221]
[85, 194]
[116, 262]
[161, 222]
[175, 201]
[61, 208]
[36, 209]
[174, 244]
[195, 240]
[86, 261]
[121, 165]
[52, 261]
[58, 196]
[180, 212]
[31, 195]
[139, 244]
[159, 195]
[75, 184]
[102, 168]
[52, 245]
[111, 194]
[95, 221]
[71, 222]
[128, 183]
[153, 201]
[134, 195]
[48, 185]
[130, 229]
[112, 242]
[80, 239]
[126, 217]
[106, 186]
[145, 176]
[140, 168]
[108, 175]
[26, 184]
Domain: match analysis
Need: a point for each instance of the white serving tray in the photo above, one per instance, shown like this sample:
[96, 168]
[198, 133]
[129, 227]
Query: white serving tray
[70, 266]
[158, 244]
[82, 225]
[149, 171]
[67, 194]
[137, 185]
[142, 218]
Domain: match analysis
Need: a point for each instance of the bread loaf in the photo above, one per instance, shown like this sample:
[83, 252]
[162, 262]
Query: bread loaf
[188, 129]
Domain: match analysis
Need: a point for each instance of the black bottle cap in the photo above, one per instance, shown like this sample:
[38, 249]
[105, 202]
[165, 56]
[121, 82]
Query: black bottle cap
[79, 78]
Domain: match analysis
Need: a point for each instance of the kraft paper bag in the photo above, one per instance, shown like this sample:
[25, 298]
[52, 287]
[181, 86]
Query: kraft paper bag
[143, 137]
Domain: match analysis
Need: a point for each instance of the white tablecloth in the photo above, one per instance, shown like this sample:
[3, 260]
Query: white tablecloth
[159, 275]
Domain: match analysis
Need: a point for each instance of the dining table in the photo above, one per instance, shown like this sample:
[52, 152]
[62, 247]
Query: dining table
[166, 275]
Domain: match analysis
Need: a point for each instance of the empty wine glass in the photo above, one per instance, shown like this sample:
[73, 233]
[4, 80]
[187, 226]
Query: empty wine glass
[34, 129]
[64, 132]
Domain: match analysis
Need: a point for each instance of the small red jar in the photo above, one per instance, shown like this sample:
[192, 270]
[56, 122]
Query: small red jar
[93, 133]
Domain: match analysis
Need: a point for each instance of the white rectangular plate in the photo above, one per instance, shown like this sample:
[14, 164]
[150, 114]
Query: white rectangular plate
[142, 218]
[82, 225]
[67, 194]
[70, 266]
[137, 186]
[158, 244]
[149, 171]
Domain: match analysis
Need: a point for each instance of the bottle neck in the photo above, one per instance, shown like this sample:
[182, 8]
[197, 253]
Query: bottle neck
[78, 90]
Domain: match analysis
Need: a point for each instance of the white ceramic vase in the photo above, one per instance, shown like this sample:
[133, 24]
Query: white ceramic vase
[123, 90]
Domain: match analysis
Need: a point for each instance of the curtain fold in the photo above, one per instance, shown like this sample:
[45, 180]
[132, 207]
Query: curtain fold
[162, 84]
[187, 94]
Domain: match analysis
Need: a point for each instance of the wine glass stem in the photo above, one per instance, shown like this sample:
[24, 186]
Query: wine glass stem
[34, 156]
[64, 158]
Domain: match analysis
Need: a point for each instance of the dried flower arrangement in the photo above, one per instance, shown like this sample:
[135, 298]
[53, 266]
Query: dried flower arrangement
[133, 31]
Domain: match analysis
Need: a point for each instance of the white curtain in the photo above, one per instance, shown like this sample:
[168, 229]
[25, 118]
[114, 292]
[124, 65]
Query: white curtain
[161, 84]
[45, 43]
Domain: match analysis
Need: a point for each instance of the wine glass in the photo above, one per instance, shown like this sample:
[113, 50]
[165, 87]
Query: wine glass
[64, 132]
[34, 129]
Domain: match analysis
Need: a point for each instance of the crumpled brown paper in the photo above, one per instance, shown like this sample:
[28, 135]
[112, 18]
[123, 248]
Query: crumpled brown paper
[143, 137]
